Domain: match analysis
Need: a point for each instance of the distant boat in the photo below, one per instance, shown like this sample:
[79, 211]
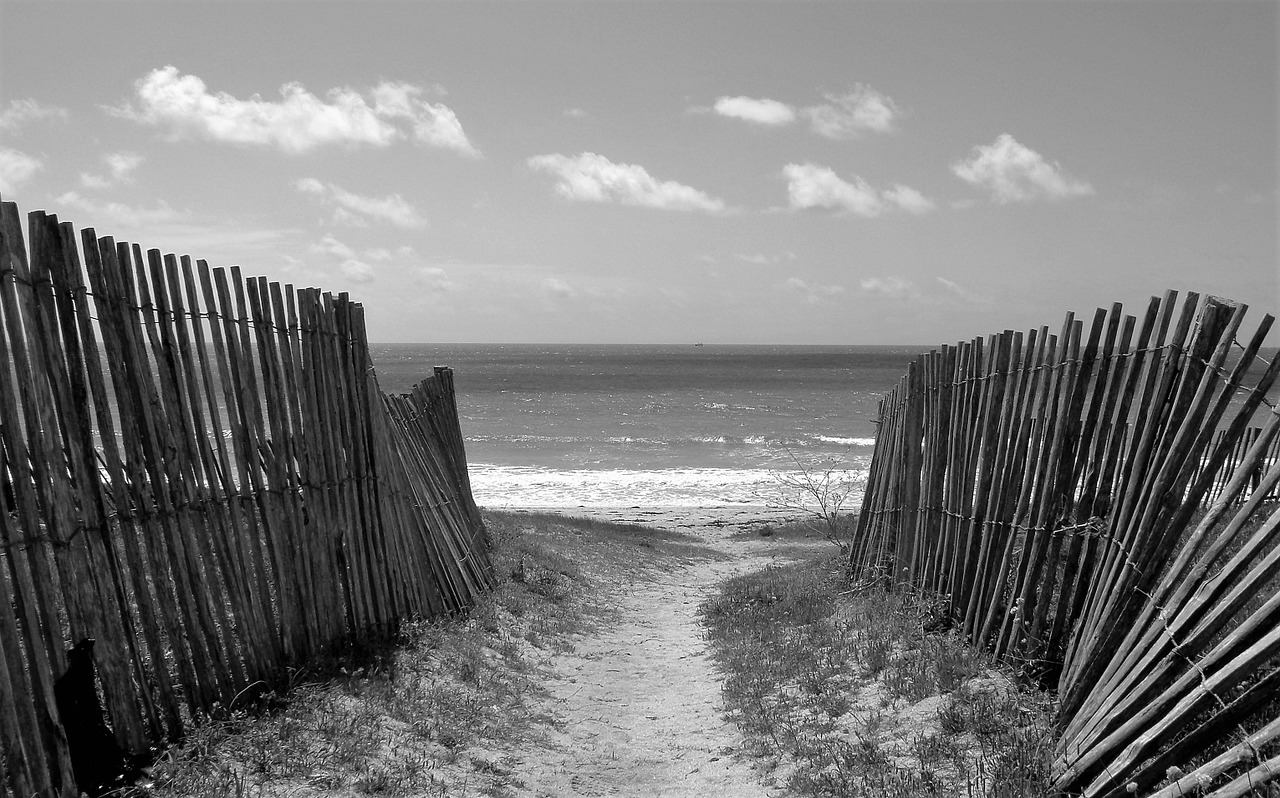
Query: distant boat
[698, 344]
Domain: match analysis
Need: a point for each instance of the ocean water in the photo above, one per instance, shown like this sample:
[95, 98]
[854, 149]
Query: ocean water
[611, 425]
[646, 426]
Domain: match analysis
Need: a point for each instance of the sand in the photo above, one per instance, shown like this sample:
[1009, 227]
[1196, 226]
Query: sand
[640, 701]
[710, 523]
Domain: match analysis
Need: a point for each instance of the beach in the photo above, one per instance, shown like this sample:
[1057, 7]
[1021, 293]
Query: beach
[707, 523]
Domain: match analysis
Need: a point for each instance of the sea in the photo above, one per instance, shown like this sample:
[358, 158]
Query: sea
[714, 426]
[692, 425]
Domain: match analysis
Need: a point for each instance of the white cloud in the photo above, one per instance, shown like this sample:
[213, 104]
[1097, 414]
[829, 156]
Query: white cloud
[300, 121]
[118, 214]
[221, 241]
[1014, 173]
[434, 124]
[895, 287]
[19, 112]
[813, 294]
[762, 111]
[436, 278]
[908, 199]
[594, 178]
[810, 187]
[120, 165]
[309, 185]
[345, 217]
[356, 209]
[813, 186]
[844, 116]
[941, 292]
[358, 265]
[16, 168]
[761, 259]
[558, 288]
[357, 271]
[328, 245]
[960, 292]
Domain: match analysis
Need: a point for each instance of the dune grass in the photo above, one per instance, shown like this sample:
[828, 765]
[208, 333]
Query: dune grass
[845, 694]
[440, 710]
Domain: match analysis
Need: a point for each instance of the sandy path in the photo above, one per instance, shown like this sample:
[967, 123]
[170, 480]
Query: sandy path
[641, 699]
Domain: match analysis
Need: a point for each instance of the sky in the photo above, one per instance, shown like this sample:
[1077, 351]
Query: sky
[661, 172]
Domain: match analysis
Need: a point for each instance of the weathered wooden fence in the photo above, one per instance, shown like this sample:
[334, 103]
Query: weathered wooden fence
[1244, 443]
[201, 475]
[1097, 509]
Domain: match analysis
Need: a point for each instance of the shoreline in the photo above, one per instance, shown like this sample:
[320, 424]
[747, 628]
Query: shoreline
[710, 519]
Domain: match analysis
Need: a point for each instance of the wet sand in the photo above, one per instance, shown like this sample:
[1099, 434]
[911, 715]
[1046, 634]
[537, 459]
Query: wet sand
[695, 520]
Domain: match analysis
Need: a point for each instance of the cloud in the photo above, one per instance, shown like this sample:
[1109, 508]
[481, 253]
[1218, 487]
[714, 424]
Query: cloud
[812, 294]
[357, 265]
[844, 116]
[118, 214]
[908, 199]
[956, 290]
[813, 187]
[120, 165]
[16, 168]
[762, 111]
[1014, 173]
[435, 125]
[435, 278]
[558, 288]
[357, 210]
[894, 287]
[300, 121]
[594, 178]
[328, 245]
[357, 271]
[760, 259]
[19, 112]
[221, 241]
[940, 293]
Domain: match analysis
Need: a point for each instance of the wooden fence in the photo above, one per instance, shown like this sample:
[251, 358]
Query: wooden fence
[1099, 510]
[201, 476]
[1232, 462]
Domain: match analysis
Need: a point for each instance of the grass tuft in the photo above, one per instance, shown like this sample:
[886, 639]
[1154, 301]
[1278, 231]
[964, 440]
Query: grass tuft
[425, 714]
[846, 694]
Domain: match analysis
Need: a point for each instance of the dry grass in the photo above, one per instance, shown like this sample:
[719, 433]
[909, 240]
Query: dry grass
[846, 695]
[442, 711]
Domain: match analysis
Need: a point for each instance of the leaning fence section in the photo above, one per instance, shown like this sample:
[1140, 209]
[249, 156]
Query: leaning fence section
[1098, 506]
[202, 485]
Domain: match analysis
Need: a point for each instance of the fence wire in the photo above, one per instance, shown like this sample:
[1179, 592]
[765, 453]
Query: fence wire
[1094, 508]
[201, 486]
